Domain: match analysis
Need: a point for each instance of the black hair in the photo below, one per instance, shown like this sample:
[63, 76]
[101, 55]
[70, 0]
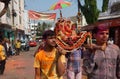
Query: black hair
[1, 40]
[48, 33]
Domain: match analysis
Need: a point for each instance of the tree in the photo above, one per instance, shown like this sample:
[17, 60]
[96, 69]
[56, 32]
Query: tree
[49, 25]
[38, 29]
[105, 5]
[90, 10]
[42, 27]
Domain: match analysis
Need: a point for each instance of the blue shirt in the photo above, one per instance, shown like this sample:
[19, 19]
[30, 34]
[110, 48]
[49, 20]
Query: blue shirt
[74, 60]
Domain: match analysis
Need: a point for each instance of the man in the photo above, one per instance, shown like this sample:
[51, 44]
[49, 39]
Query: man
[49, 62]
[2, 58]
[103, 62]
[18, 46]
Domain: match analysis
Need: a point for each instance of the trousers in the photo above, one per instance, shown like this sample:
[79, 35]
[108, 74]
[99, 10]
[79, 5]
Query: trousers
[73, 75]
[2, 66]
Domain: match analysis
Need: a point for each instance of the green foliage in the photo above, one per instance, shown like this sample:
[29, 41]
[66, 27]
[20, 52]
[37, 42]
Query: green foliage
[42, 27]
[105, 5]
[90, 11]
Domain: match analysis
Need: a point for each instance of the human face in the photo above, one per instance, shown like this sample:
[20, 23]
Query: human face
[102, 36]
[51, 41]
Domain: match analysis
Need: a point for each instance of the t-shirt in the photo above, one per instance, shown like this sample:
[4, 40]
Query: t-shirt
[18, 45]
[2, 53]
[47, 64]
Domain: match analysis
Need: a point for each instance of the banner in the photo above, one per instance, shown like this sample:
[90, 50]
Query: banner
[41, 16]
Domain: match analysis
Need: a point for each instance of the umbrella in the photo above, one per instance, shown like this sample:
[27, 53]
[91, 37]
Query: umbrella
[59, 5]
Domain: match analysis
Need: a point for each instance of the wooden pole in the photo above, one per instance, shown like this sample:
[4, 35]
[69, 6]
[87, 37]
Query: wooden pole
[60, 14]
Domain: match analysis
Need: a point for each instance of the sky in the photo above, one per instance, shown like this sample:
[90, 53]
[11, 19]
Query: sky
[44, 5]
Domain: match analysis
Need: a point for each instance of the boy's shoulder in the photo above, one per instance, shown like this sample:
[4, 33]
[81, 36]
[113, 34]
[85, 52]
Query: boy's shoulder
[40, 52]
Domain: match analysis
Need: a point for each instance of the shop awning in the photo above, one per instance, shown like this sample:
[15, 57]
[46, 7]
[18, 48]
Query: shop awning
[5, 27]
[114, 22]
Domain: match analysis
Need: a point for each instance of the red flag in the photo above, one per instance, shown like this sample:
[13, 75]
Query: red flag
[41, 16]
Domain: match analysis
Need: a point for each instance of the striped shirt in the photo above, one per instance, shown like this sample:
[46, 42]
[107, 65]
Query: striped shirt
[74, 59]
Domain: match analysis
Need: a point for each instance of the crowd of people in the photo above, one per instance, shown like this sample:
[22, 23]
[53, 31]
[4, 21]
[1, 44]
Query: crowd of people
[99, 60]
[7, 49]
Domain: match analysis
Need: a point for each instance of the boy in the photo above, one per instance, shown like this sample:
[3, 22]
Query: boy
[2, 58]
[74, 63]
[49, 62]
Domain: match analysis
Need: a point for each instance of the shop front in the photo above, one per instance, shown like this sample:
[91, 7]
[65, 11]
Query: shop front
[20, 34]
[6, 31]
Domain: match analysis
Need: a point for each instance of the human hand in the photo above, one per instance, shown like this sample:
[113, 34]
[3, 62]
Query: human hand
[61, 50]
[94, 46]
[89, 46]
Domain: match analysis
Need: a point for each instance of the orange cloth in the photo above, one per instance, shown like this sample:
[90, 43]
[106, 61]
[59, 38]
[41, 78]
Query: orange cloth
[46, 62]
[2, 53]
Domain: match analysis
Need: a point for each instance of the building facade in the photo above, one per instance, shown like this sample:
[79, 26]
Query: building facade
[13, 23]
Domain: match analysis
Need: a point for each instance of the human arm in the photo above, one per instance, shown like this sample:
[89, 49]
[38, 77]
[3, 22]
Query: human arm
[118, 65]
[37, 67]
[37, 73]
[88, 57]
[88, 61]
[94, 46]
[61, 65]
[61, 62]
[91, 58]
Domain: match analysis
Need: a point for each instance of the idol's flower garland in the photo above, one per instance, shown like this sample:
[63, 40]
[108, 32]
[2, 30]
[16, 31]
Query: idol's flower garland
[67, 37]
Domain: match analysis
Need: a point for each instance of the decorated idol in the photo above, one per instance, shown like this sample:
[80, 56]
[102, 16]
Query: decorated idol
[67, 36]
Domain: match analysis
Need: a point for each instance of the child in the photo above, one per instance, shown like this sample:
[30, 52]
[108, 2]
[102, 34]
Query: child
[74, 64]
[49, 62]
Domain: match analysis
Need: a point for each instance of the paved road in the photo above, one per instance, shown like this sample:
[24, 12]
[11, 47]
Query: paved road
[20, 67]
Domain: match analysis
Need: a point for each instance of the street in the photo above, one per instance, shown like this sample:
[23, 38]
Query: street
[20, 67]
